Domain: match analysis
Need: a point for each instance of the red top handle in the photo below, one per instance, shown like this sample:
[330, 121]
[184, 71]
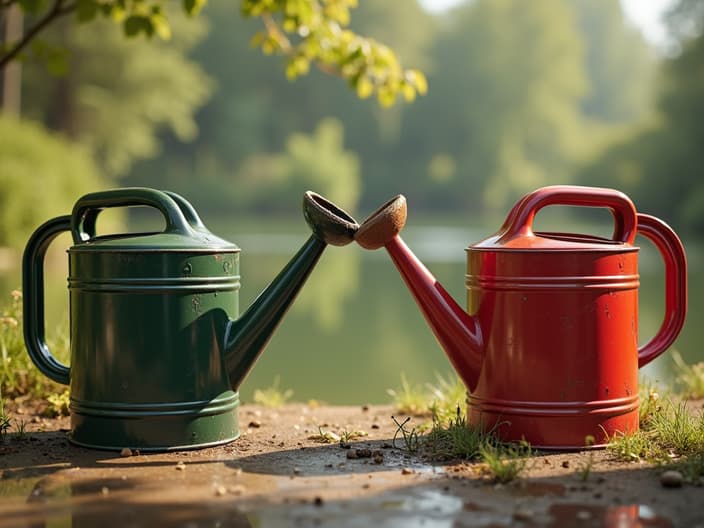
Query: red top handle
[520, 219]
[672, 251]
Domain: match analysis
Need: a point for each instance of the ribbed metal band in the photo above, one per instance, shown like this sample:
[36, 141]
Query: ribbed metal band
[154, 449]
[614, 282]
[613, 407]
[156, 284]
[218, 405]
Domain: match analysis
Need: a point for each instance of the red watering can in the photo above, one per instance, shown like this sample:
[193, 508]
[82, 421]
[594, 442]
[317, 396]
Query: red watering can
[548, 345]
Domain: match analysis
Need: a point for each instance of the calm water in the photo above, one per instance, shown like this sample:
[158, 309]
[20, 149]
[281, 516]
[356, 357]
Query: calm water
[355, 328]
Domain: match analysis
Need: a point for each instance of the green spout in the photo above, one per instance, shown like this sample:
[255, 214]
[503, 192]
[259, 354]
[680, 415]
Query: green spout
[246, 337]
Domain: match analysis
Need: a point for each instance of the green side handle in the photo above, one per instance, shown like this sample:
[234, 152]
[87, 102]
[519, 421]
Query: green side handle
[33, 299]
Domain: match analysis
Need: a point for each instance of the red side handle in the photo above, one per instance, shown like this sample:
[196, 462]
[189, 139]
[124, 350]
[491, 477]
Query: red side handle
[672, 251]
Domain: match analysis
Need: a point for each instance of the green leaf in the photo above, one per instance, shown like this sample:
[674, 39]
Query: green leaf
[386, 97]
[417, 79]
[257, 39]
[193, 7]
[364, 87]
[409, 93]
[134, 24]
[161, 26]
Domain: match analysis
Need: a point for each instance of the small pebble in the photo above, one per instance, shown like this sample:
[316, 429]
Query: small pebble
[523, 515]
[375, 426]
[583, 515]
[220, 491]
[180, 466]
[126, 452]
[105, 491]
[365, 408]
[296, 471]
[565, 463]
[318, 501]
[671, 479]
[407, 471]
[255, 424]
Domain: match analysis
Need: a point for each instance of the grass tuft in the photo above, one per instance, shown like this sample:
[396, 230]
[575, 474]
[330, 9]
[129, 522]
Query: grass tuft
[439, 399]
[18, 375]
[273, 396]
[690, 378]
[672, 436]
[505, 463]
[455, 439]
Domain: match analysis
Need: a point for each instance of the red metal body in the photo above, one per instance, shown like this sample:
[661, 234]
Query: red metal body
[548, 346]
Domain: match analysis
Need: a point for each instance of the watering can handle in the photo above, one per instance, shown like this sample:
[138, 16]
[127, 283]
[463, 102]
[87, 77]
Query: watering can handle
[672, 251]
[520, 219]
[175, 210]
[33, 301]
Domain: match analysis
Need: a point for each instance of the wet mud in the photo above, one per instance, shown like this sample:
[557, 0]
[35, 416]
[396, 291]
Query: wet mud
[280, 473]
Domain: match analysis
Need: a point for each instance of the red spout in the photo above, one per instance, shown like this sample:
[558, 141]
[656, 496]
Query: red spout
[457, 332]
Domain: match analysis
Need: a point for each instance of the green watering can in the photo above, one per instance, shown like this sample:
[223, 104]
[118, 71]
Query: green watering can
[158, 348]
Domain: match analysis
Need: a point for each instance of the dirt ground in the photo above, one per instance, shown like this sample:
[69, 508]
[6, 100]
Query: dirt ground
[279, 474]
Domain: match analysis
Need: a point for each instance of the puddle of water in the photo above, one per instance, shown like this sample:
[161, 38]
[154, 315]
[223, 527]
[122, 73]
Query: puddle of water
[539, 489]
[14, 488]
[630, 516]
[409, 509]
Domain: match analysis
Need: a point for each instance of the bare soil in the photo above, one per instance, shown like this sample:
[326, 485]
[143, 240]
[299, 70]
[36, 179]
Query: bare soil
[280, 473]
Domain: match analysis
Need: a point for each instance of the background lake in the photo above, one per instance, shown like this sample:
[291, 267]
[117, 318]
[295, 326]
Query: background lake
[355, 328]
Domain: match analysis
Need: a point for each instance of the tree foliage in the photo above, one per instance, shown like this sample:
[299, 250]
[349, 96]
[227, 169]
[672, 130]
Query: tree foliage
[314, 31]
[41, 175]
[117, 94]
[660, 164]
[136, 17]
[304, 31]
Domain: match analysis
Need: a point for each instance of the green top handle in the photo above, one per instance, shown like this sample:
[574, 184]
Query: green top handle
[180, 217]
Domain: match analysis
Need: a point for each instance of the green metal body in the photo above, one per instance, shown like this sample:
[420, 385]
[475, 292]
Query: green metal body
[158, 349]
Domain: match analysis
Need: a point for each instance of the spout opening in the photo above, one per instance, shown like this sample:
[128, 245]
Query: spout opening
[383, 224]
[329, 223]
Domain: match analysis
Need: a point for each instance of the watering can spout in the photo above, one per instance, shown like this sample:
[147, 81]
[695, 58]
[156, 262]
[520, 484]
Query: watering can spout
[246, 337]
[457, 332]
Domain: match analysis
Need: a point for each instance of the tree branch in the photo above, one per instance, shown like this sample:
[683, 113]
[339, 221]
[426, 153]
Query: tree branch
[272, 28]
[57, 10]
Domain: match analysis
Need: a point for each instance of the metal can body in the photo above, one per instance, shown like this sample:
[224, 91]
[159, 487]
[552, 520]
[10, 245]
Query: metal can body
[560, 328]
[146, 347]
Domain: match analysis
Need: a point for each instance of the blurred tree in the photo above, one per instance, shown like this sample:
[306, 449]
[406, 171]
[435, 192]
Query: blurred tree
[116, 94]
[136, 17]
[620, 64]
[318, 161]
[41, 175]
[507, 83]
[660, 165]
[685, 19]
[256, 109]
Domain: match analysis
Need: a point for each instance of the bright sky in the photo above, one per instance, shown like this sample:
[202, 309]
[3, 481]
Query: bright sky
[645, 14]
